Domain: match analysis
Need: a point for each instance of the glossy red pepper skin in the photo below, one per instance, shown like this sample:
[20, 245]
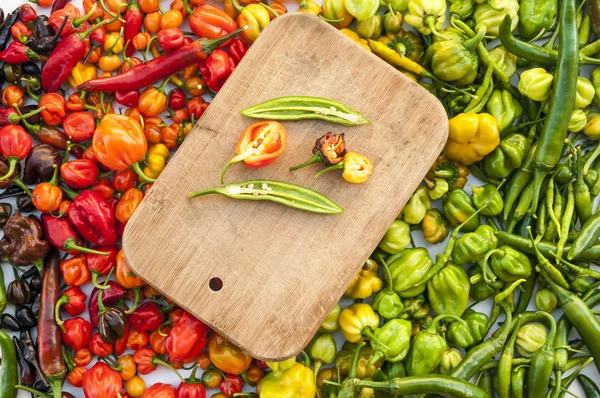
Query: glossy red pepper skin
[191, 390]
[102, 264]
[18, 53]
[77, 334]
[110, 297]
[59, 5]
[98, 347]
[133, 24]
[186, 339]
[216, 69]
[143, 359]
[121, 344]
[20, 32]
[61, 62]
[15, 142]
[75, 301]
[170, 38]
[159, 390]
[79, 173]
[98, 35]
[146, 317]
[233, 385]
[176, 99]
[5, 116]
[237, 49]
[79, 126]
[102, 382]
[27, 13]
[94, 218]
[74, 23]
[58, 230]
[127, 98]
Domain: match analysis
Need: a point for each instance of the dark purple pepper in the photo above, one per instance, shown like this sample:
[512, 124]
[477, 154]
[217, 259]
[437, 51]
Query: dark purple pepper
[109, 297]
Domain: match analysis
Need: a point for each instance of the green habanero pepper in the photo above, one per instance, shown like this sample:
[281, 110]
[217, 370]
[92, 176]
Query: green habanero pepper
[504, 107]
[462, 8]
[370, 28]
[415, 308]
[596, 83]
[469, 333]
[536, 84]
[508, 264]
[434, 226]
[427, 16]
[545, 300]
[530, 338]
[535, 17]
[387, 302]
[331, 323]
[322, 350]
[492, 17]
[362, 10]
[480, 290]
[418, 204]
[507, 157]
[392, 341]
[392, 20]
[504, 60]
[343, 361]
[585, 93]
[473, 246]
[448, 290]
[484, 193]
[397, 237]
[437, 188]
[450, 360]
[578, 121]
[407, 268]
[397, 5]
[427, 348]
[458, 206]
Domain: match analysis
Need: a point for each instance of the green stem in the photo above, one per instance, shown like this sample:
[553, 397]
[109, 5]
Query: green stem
[64, 299]
[340, 165]
[315, 159]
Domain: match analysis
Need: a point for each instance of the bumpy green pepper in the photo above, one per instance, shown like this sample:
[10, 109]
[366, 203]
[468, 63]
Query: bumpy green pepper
[545, 300]
[437, 188]
[415, 308]
[463, 8]
[458, 206]
[465, 335]
[397, 237]
[596, 83]
[434, 226]
[504, 59]
[505, 108]
[331, 323]
[362, 10]
[387, 302]
[492, 16]
[536, 84]
[322, 350]
[427, 16]
[455, 60]
[448, 290]
[418, 204]
[343, 361]
[391, 341]
[450, 360]
[507, 156]
[427, 349]
[480, 290]
[370, 28]
[397, 5]
[530, 338]
[392, 20]
[509, 264]
[585, 93]
[578, 121]
[488, 192]
[536, 16]
[407, 268]
[472, 246]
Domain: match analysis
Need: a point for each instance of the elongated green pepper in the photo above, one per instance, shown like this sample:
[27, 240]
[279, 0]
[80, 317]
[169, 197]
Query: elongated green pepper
[503, 371]
[518, 183]
[590, 388]
[544, 247]
[542, 363]
[8, 376]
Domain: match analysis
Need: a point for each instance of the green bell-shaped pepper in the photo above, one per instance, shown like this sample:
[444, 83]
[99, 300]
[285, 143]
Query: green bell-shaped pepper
[535, 16]
[462, 8]
[507, 156]
[578, 121]
[415, 308]
[392, 20]
[407, 268]
[492, 13]
[472, 247]
[450, 360]
[322, 349]
[480, 290]
[418, 204]
[331, 323]
[545, 300]
[585, 93]
[397, 5]
[504, 107]
[344, 357]
[448, 290]
[397, 238]
[465, 335]
[391, 341]
[434, 226]
[387, 302]
[509, 264]
[458, 206]
[454, 60]
[488, 192]
[530, 338]
[427, 349]
[370, 28]
[504, 60]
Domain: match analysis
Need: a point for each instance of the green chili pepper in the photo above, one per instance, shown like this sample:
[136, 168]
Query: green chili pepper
[508, 264]
[504, 60]
[518, 183]
[535, 17]
[462, 8]
[305, 107]
[331, 323]
[523, 206]
[507, 157]
[542, 363]
[541, 221]
[369, 28]
[418, 204]
[504, 369]
[392, 341]
[553, 231]
[387, 302]
[588, 235]
[472, 331]
[434, 226]
[566, 221]
[517, 381]
[484, 193]
[9, 376]
[544, 247]
[322, 350]
[290, 195]
[472, 247]
[526, 294]
[590, 388]
[450, 359]
[396, 239]
[480, 94]
[583, 35]
[583, 201]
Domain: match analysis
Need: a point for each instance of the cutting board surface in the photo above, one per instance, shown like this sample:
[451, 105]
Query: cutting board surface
[283, 269]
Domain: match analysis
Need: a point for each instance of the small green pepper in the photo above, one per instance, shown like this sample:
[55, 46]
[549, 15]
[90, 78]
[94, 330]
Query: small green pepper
[370, 28]
[418, 204]
[392, 20]
[331, 323]
[343, 361]
[491, 16]
[507, 157]
[448, 290]
[530, 338]
[504, 60]
[509, 264]
[578, 121]
[397, 238]
[450, 360]
[407, 268]
[484, 193]
[416, 308]
[473, 246]
[469, 333]
[545, 300]
[480, 290]
[462, 8]
[458, 206]
[504, 107]
[535, 17]
[437, 188]
[392, 341]
[434, 226]
[322, 350]
[397, 5]
[387, 302]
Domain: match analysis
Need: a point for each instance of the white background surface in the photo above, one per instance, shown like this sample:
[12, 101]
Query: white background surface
[166, 376]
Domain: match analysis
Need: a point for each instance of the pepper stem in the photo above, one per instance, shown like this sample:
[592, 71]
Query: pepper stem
[56, 386]
[95, 276]
[14, 119]
[31, 129]
[136, 302]
[330, 20]
[209, 45]
[352, 373]
[340, 165]
[484, 266]
[71, 244]
[237, 6]
[367, 332]
[64, 299]
[76, 22]
[305, 358]
[429, 21]
[138, 170]
[387, 275]
[158, 361]
[12, 163]
[434, 324]
[187, 8]
[17, 182]
[475, 40]
[234, 160]
[315, 159]
[503, 295]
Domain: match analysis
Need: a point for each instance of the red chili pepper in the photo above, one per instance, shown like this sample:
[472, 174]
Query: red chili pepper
[127, 98]
[176, 99]
[75, 22]
[73, 299]
[99, 35]
[62, 234]
[159, 68]
[237, 49]
[101, 265]
[94, 218]
[216, 69]
[137, 340]
[102, 382]
[147, 316]
[170, 38]
[186, 339]
[18, 53]
[133, 23]
[20, 32]
[54, 108]
[27, 13]
[110, 297]
[77, 333]
[15, 145]
[159, 390]
[124, 180]
[79, 173]
[158, 342]
[231, 384]
[104, 188]
[79, 126]
[98, 347]
[143, 359]
[121, 344]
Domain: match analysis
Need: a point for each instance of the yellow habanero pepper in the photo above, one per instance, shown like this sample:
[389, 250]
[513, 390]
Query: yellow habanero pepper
[156, 160]
[357, 321]
[114, 43]
[256, 18]
[109, 63]
[82, 73]
[282, 365]
[310, 6]
[471, 136]
[335, 10]
[356, 38]
[295, 382]
[366, 282]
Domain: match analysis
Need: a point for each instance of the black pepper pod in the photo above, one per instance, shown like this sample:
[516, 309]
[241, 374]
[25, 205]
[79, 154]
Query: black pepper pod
[25, 204]
[9, 322]
[25, 316]
[42, 27]
[32, 69]
[112, 323]
[1, 16]
[5, 212]
[8, 22]
[30, 353]
[19, 292]
[28, 375]
[40, 164]
[46, 43]
[35, 306]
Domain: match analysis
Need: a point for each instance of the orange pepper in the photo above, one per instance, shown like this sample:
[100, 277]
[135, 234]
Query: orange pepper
[170, 137]
[180, 116]
[75, 376]
[11, 95]
[137, 340]
[133, 113]
[279, 8]
[74, 271]
[171, 19]
[211, 22]
[126, 364]
[148, 6]
[130, 63]
[226, 356]
[82, 357]
[125, 277]
[151, 293]
[75, 103]
[203, 360]
[55, 109]
[98, 11]
[195, 86]
[178, 5]
[152, 127]
[64, 206]
[190, 71]
[230, 9]
[152, 22]
[158, 340]
[140, 40]
[113, 26]
[47, 196]
[153, 101]
[109, 63]
[130, 200]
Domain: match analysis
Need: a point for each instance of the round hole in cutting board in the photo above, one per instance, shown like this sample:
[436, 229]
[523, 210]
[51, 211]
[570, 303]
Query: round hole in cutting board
[215, 284]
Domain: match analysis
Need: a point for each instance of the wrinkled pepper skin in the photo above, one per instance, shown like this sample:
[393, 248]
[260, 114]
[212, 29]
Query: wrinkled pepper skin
[448, 290]
[397, 237]
[473, 332]
[366, 282]
[393, 341]
[492, 14]
[535, 16]
[472, 246]
[434, 226]
[344, 357]
[507, 157]
[485, 193]
[505, 108]
[357, 318]
[418, 204]
[510, 264]
[458, 206]
[426, 351]
[407, 268]
[471, 136]
[295, 382]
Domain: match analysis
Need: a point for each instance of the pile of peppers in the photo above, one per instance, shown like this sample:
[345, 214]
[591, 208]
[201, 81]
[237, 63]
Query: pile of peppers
[96, 96]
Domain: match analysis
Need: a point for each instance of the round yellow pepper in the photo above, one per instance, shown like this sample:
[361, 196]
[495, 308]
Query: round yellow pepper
[156, 160]
[358, 320]
[256, 17]
[114, 43]
[311, 7]
[366, 282]
[592, 128]
[471, 136]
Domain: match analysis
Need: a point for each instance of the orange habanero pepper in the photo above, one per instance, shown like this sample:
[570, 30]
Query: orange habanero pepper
[125, 277]
[226, 356]
[208, 21]
[130, 201]
[153, 101]
[47, 196]
[75, 271]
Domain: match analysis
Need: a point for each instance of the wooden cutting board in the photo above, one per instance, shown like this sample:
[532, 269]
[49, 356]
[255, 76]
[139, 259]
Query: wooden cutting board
[282, 269]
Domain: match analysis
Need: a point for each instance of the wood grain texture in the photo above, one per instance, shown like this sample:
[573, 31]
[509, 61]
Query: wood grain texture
[283, 269]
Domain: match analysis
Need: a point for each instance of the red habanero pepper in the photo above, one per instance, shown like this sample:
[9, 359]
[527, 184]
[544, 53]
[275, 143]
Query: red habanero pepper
[237, 49]
[79, 173]
[192, 387]
[137, 340]
[159, 390]
[259, 145]
[77, 332]
[73, 299]
[27, 13]
[176, 99]
[75, 22]
[147, 316]
[98, 347]
[158, 342]
[94, 218]
[99, 35]
[20, 32]
[211, 22]
[216, 69]
[74, 271]
[133, 24]
[196, 107]
[15, 145]
[143, 359]
[79, 126]
[110, 297]
[18, 53]
[170, 38]
[127, 98]
[104, 188]
[55, 108]
[158, 68]
[186, 339]
[124, 180]
[75, 103]
[231, 384]
[101, 265]
[101, 381]
[62, 235]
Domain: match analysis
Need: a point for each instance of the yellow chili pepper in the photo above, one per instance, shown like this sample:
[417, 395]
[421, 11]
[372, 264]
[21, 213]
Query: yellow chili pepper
[471, 136]
[81, 74]
[256, 18]
[310, 6]
[358, 321]
[395, 59]
[366, 282]
[295, 382]
[114, 43]
[156, 160]
[356, 38]
[282, 365]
